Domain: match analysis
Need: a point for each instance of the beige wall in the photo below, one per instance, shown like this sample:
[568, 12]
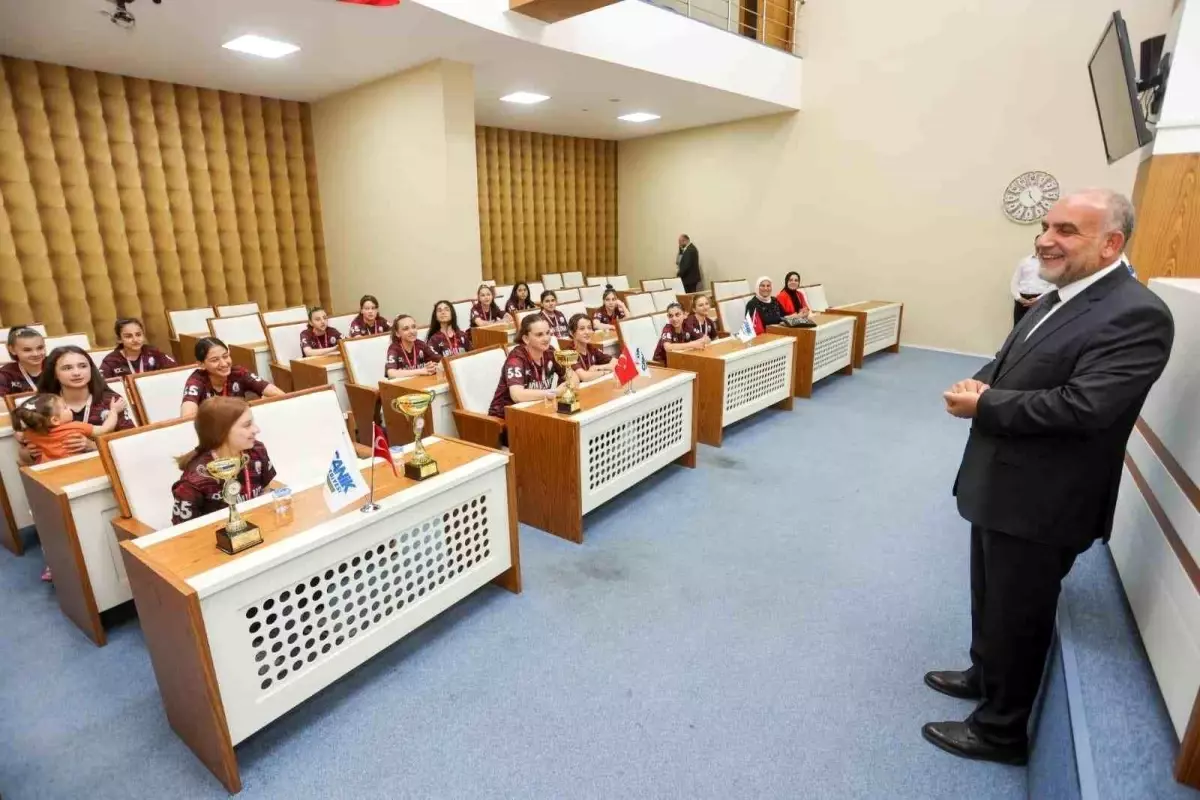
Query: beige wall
[888, 184]
[396, 164]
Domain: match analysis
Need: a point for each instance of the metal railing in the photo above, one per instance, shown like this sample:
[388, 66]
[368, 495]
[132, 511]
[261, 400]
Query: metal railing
[772, 22]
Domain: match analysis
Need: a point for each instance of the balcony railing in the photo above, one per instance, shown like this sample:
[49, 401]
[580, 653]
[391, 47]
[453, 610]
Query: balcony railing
[772, 22]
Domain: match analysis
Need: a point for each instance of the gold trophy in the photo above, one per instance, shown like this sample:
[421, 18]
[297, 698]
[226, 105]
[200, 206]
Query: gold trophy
[420, 465]
[238, 534]
[568, 402]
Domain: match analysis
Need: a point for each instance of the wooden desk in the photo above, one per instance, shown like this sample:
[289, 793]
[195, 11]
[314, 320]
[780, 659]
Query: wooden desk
[608, 341]
[878, 326]
[735, 380]
[319, 371]
[568, 465]
[187, 347]
[73, 506]
[487, 335]
[254, 357]
[238, 641]
[439, 419]
[13, 504]
[821, 351]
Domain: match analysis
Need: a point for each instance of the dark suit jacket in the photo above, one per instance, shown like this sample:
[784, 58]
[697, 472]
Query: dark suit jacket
[689, 267]
[1043, 460]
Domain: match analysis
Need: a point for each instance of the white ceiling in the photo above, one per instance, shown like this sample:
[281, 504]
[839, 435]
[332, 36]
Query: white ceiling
[344, 46]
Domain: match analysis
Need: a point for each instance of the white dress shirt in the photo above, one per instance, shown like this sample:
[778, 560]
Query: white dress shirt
[1072, 289]
[1027, 280]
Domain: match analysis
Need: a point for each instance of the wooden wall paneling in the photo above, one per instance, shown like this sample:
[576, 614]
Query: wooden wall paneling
[314, 201]
[195, 183]
[15, 195]
[303, 282]
[233, 288]
[285, 223]
[229, 257]
[264, 202]
[158, 147]
[1166, 241]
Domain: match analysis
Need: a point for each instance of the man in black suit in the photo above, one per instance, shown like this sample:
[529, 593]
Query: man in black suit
[1051, 416]
[687, 264]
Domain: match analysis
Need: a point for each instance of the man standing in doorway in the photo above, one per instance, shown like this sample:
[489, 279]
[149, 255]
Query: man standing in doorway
[687, 264]
[1050, 418]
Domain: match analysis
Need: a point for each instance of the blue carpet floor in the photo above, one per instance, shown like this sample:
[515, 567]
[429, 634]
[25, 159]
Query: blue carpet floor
[756, 627]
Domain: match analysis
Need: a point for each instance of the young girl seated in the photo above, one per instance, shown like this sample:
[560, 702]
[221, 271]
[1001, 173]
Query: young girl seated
[48, 423]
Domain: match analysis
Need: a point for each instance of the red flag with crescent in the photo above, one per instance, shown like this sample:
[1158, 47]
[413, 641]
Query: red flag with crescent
[381, 447]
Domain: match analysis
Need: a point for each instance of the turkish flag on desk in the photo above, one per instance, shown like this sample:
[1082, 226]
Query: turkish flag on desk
[759, 328]
[626, 369]
[380, 445]
[372, 2]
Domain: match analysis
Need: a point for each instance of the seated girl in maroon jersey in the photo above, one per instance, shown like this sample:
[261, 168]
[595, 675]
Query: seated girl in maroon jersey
[27, 349]
[219, 377]
[49, 425]
[519, 300]
[445, 337]
[369, 321]
[612, 310]
[527, 372]
[676, 336]
[319, 339]
[224, 429]
[484, 310]
[553, 317]
[132, 355]
[700, 322]
[72, 375]
[408, 356]
[593, 362]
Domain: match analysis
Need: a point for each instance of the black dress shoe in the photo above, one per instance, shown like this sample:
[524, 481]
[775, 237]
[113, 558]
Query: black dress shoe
[959, 739]
[956, 684]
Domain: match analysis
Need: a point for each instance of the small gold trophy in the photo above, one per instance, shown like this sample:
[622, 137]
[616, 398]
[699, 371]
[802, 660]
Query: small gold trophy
[568, 403]
[420, 465]
[238, 534]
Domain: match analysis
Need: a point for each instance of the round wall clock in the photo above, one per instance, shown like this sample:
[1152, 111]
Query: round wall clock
[1029, 196]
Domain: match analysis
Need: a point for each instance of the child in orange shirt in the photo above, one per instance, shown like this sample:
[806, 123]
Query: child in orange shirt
[48, 424]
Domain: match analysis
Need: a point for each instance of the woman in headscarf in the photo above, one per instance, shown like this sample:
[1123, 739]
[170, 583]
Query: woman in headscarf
[764, 304]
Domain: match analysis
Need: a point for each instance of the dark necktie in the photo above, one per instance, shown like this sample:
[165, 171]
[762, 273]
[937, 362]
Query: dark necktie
[1049, 301]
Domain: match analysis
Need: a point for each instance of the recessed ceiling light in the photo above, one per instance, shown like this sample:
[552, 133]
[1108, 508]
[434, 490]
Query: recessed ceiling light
[260, 46]
[639, 116]
[525, 98]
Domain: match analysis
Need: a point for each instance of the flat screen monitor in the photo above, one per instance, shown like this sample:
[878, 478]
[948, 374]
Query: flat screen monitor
[1114, 86]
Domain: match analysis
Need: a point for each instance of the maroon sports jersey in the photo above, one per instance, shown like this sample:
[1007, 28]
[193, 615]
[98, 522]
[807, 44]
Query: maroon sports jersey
[605, 318]
[514, 304]
[482, 316]
[698, 327]
[399, 358]
[591, 358]
[521, 370]
[239, 383]
[450, 345]
[196, 493]
[558, 323]
[319, 341]
[96, 412]
[672, 336]
[12, 380]
[360, 327]
[151, 359]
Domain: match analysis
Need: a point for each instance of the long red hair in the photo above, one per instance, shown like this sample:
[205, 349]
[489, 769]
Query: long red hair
[214, 419]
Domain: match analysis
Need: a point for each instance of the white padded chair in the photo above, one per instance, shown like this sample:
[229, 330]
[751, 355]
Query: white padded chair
[567, 295]
[280, 316]
[731, 312]
[592, 296]
[522, 315]
[571, 279]
[502, 293]
[244, 329]
[597, 280]
[237, 309]
[490, 283]
[159, 394]
[723, 289]
[144, 462]
[660, 322]
[570, 309]
[639, 333]
[475, 376]
[815, 295]
[674, 284]
[285, 342]
[663, 298]
[641, 303]
[97, 356]
[76, 339]
[342, 323]
[552, 280]
[535, 292]
[653, 285]
[423, 334]
[366, 358]
[462, 312]
[619, 282]
[192, 321]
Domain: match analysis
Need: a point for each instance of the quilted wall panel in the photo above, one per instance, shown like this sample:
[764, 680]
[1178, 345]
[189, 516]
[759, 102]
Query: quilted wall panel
[126, 197]
[546, 204]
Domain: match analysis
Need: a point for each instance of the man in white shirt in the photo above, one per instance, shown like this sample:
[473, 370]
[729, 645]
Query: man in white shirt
[1027, 284]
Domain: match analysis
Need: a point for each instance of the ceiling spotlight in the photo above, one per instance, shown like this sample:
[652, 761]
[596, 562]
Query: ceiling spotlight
[525, 98]
[639, 116]
[260, 46]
